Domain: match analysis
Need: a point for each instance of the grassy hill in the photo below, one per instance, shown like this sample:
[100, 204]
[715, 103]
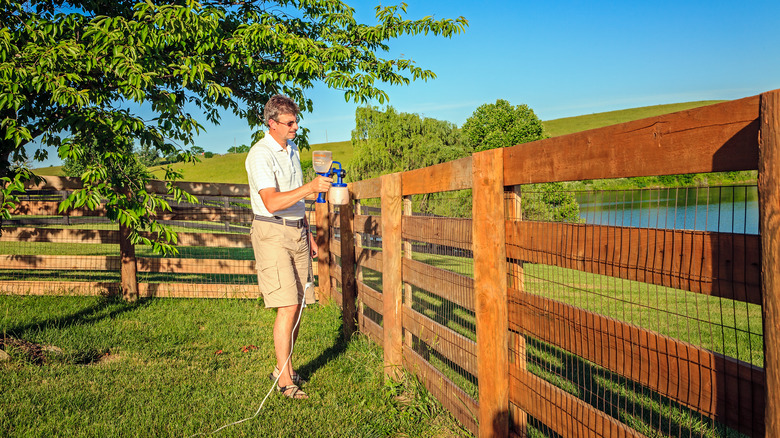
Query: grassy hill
[229, 168]
[570, 125]
[51, 170]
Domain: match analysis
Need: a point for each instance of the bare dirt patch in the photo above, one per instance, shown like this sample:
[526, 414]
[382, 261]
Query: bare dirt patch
[35, 353]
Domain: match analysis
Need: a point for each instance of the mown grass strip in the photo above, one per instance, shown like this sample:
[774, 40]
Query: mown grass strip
[178, 367]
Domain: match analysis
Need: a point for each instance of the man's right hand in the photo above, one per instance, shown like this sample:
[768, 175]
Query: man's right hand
[321, 184]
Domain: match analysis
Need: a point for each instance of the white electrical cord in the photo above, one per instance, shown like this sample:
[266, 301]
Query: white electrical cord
[309, 284]
[292, 345]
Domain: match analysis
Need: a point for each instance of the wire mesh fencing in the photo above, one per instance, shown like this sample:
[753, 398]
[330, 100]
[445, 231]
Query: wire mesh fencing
[643, 305]
[438, 277]
[368, 261]
[45, 251]
[215, 256]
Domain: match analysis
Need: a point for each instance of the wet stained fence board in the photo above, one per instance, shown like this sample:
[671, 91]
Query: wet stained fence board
[453, 287]
[560, 411]
[455, 400]
[455, 347]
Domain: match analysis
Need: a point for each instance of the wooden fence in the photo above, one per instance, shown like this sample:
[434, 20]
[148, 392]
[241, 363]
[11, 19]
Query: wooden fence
[498, 337]
[44, 251]
[730, 395]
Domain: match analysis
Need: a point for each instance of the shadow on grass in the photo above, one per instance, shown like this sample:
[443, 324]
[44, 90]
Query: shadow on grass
[107, 307]
[331, 353]
[641, 408]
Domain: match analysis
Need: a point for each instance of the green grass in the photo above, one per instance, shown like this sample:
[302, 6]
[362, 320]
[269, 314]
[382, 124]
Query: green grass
[717, 324]
[177, 367]
[644, 410]
[51, 170]
[228, 168]
[569, 125]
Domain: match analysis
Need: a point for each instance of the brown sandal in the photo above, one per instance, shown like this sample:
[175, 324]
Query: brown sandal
[296, 378]
[292, 391]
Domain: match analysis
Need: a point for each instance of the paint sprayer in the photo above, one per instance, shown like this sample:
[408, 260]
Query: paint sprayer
[322, 161]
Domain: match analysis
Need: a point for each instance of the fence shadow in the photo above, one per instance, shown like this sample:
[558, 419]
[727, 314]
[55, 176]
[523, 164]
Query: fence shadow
[618, 397]
[106, 308]
[337, 349]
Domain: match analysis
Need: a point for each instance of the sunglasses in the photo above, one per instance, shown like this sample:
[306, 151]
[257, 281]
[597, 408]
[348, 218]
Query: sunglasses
[289, 124]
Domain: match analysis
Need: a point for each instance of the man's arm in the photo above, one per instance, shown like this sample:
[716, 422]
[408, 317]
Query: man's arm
[275, 200]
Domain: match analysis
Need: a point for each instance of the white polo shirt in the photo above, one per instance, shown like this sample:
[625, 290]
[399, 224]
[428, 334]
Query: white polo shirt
[270, 165]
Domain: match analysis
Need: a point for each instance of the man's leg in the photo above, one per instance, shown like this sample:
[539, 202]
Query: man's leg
[283, 330]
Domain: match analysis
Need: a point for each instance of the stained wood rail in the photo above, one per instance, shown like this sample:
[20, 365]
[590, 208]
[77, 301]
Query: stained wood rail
[718, 264]
[715, 138]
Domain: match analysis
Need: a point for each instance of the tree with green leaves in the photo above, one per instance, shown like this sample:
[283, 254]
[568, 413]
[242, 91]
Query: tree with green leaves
[93, 151]
[148, 155]
[499, 125]
[238, 149]
[388, 141]
[70, 68]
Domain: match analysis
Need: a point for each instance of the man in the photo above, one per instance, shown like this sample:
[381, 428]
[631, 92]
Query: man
[280, 234]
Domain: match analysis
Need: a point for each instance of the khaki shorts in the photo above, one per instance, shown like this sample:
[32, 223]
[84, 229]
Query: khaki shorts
[282, 263]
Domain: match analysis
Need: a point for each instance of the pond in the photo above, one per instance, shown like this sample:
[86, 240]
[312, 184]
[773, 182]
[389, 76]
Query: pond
[732, 209]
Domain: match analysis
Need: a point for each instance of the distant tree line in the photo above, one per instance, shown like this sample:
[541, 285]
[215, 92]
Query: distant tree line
[137, 159]
[387, 141]
[239, 149]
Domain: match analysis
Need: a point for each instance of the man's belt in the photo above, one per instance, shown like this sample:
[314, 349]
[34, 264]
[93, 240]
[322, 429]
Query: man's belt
[297, 223]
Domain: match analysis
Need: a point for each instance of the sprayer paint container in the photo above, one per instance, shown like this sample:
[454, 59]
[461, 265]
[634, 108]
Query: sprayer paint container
[338, 194]
[321, 161]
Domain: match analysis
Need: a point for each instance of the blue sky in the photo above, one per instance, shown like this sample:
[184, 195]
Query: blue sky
[562, 58]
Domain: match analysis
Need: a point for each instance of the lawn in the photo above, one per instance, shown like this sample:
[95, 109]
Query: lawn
[179, 367]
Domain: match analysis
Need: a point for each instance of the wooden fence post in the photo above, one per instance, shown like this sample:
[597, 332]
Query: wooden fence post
[769, 226]
[519, 418]
[129, 269]
[392, 281]
[322, 215]
[407, 254]
[348, 285]
[490, 292]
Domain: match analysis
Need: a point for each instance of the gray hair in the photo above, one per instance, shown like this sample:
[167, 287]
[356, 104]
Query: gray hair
[278, 105]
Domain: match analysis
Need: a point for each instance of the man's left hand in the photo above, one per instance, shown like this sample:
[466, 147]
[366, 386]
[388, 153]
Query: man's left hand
[313, 246]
